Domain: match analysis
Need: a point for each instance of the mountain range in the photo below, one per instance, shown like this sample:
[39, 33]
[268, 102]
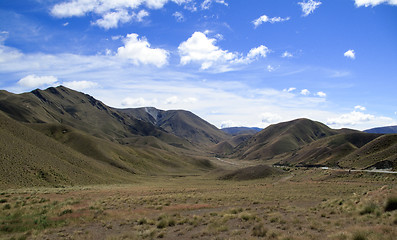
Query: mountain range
[59, 136]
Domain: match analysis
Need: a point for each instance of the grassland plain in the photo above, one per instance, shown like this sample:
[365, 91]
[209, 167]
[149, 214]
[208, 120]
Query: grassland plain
[301, 204]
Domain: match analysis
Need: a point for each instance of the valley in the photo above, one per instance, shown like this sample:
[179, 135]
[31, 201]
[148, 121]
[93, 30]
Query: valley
[75, 168]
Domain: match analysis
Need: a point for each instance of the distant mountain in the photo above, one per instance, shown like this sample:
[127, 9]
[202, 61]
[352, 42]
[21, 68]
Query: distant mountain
[234, 131]
[282, 138]
[383, 130]
[181, 123]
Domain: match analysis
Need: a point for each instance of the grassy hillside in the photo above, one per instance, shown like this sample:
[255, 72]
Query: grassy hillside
[380, 153]
[29, 158]
[328, 151]
[282, 138]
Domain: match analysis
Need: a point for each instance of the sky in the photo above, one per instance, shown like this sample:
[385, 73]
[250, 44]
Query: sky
[233, 63]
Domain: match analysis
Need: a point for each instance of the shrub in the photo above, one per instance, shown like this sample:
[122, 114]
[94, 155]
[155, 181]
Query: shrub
[391, 204]
[368, 209]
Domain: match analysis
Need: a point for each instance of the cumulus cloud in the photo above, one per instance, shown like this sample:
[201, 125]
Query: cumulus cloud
[207, 3]
[138, 51]
[269, 117]
[351, 118]
[200, 49]
[264, 19]
[350, 54]
[321, 94]
[80, 85]
[308, 7]
[34, 81]
[305, 92]
[260, 51]
[373, 3]
[270, 68]
[179, 16]
[286, 55]
[203, 50]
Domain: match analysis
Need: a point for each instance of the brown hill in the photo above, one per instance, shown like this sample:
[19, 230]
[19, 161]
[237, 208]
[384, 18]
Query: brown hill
[56, 155]
[379, 153]
[181, 123]
[329, 151]
[71, 108]
[282, 138]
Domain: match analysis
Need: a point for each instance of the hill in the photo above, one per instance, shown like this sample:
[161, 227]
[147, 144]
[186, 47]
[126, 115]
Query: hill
[329, 151]
[282, 138]
[383, 130]
[181, 123]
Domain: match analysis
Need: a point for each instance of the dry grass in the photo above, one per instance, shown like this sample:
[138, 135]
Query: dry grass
[313, 204]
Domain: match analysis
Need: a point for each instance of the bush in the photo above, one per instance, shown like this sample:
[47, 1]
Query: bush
[391, 204]
[368, 209]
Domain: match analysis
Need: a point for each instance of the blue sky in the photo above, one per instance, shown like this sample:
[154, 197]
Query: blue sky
[233, 63]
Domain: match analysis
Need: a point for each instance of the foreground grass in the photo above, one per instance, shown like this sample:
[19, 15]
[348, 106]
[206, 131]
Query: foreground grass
[310, 204]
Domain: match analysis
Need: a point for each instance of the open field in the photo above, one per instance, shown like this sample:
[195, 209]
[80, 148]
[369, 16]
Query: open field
[300, 204]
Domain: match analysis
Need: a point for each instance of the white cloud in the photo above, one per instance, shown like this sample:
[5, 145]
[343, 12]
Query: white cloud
[269, 117]
[308, 7]
[374, 3]
[179, 16]
[228, 124]
[65, 24]
[198, 48]
[352, 118]
[203, 50]
[138, 51]
[291, 89]
[80, 85]
[321, 94]
[207, 3]
[305, 92]
[361, 108]
[111, 12]
[172, 100]
[33, 81]
[112, 19]
[141, 14]
[134, 102]
[286, 55]
[350, 54]
[260, 51]
[264, 18]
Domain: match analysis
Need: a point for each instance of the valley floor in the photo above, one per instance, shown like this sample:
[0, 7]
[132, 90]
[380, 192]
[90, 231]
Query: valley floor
[302, 204]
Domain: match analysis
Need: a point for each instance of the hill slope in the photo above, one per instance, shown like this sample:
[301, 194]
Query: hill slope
[329, 151]
[282, 138]
[181, 123]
